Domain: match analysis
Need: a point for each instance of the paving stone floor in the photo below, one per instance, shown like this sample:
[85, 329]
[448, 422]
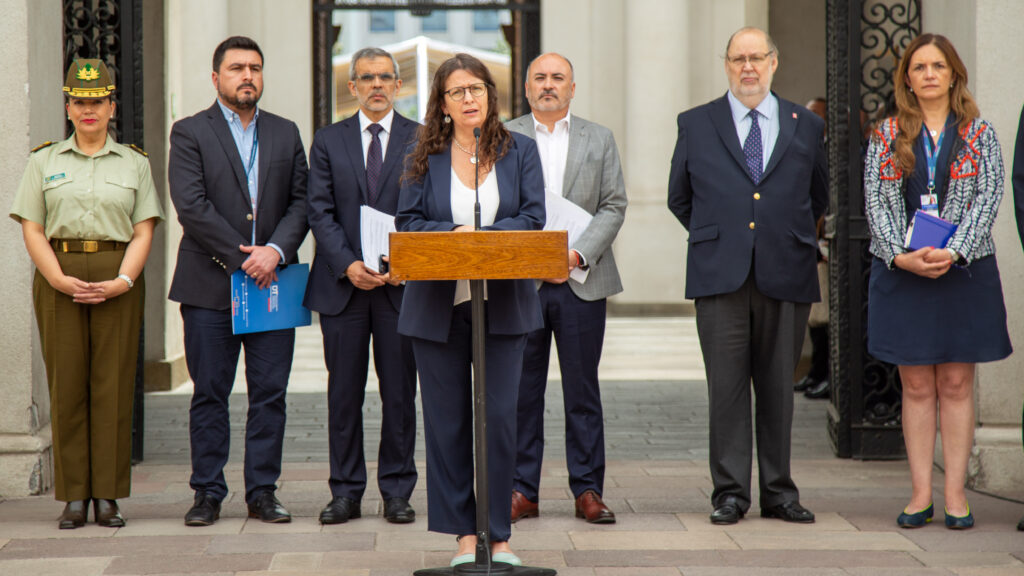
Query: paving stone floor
[657, 482]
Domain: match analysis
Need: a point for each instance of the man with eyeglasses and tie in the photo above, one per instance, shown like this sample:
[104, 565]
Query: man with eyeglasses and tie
[357, 162]
[748, 182]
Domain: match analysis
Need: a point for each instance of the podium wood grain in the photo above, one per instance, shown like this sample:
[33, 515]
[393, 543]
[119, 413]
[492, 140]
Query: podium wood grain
[482, 255]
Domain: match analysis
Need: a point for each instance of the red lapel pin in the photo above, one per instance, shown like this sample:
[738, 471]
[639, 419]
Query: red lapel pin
[794, 115]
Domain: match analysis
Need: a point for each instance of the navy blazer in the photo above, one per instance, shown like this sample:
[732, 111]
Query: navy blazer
[426, 206]
[337, 189]
[1018, 178]
[734, 223]
[209, 191]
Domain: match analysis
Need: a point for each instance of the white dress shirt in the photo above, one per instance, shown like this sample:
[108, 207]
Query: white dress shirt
[463, 199]
[768, 120]
[554, 151]
[385, 123]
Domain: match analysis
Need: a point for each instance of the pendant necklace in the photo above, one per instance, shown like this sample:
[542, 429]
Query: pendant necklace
[472, 157]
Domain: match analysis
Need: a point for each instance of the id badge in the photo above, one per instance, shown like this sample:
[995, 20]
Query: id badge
[930, 204]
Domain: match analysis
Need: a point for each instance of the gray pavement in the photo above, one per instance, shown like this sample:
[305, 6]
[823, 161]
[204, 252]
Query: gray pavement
[657, 483]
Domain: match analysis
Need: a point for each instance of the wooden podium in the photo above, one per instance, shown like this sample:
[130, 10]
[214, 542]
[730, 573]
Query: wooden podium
[478, 256]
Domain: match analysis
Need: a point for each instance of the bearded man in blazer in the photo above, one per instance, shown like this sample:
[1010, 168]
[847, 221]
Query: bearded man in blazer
[355, 162]
[237, 178]
[748, 183]
[581, 164]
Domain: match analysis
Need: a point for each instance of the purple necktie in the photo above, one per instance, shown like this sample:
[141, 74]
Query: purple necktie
[374, 165]
[753, 150]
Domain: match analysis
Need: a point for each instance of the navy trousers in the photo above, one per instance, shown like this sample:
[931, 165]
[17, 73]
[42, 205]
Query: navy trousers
[346, 351]
[578, 327]
[446, 390]
[211, 353]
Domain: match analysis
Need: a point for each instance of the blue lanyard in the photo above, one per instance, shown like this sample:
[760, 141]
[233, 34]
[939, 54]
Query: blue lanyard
[255, 147]
[931, 154]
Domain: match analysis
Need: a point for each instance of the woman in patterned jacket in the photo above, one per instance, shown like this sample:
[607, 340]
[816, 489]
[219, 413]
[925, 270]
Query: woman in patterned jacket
[937, 311]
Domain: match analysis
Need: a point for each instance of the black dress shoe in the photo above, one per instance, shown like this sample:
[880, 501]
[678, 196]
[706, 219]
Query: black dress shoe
[340, 510]
[74, 515]
[398, 511]
[728, 513]
[1020, 525]
[107, 513]
[268, 508]
[805, 383]
[818, 391]
[204, 511]
[790, 512]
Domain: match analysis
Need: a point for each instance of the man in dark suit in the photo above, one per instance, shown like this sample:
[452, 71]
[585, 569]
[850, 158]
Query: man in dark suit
[1018, 207]
[748, 183]
[353, 163]
[238, 181]
[581, 164]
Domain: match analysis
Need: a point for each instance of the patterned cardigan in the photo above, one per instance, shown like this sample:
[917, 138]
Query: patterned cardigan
[971, 198]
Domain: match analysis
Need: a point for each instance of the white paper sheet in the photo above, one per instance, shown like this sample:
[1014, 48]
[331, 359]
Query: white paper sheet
[563, 214]
[374, 227]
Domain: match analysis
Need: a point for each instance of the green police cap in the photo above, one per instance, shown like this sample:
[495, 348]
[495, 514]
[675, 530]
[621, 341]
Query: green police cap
[88, 78]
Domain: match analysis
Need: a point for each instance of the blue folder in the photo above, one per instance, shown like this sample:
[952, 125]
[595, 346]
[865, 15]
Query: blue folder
[275, 307]
[927, 230]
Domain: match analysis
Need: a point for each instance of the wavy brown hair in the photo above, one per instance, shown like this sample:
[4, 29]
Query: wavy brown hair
[908, 111]
[435, 135]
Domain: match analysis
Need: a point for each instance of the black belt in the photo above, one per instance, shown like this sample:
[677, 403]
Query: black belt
[87, 246]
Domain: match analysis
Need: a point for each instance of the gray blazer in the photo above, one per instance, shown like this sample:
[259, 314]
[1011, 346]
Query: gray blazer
[593, 181]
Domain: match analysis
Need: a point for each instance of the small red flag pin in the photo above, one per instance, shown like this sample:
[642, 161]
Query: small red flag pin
[794, 114]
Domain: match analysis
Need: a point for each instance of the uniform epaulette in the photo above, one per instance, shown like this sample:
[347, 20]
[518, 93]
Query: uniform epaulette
[139, 150]
[41, 146]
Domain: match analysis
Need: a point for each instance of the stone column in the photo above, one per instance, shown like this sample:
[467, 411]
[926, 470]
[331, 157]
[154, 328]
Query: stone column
[32, 100]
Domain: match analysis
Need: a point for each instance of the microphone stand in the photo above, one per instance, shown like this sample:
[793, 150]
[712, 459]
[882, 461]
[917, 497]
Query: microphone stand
[482, 565]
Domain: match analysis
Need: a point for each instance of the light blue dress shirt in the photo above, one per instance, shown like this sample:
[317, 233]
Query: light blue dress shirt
[768, 120]
[245, 139]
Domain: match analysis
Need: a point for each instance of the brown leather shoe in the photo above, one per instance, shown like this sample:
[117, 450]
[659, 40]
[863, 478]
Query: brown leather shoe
[522, 507]
[590, 506]
[107, 513]
[74, 515]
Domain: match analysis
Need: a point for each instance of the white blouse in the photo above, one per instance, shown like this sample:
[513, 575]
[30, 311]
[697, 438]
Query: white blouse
[463, 199]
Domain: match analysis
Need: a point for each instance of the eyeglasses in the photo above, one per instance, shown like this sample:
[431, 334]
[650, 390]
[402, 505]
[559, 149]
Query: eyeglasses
[458, 94]
[369, 78]
[755, 59]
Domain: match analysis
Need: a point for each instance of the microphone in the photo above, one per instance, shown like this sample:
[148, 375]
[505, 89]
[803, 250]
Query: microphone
[476, 178]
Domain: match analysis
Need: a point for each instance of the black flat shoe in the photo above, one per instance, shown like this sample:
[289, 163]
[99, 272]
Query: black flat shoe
[340, 510]
[805, 383]
[107, 513]
[818, 391]
[398, 511]
[74, 515]
[268, 508]
[789, 512]
[728, 513]
[204, 511]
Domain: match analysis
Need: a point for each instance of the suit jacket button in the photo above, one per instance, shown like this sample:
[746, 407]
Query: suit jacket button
[757, 195]
[751, 225]
[248, 217]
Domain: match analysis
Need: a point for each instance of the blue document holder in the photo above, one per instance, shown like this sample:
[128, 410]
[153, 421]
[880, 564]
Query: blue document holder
[927, 230]
[276, 307]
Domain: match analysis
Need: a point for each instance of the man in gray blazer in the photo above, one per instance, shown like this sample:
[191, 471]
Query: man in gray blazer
[581, 164]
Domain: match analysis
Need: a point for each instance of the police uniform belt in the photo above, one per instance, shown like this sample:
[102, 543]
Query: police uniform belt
[88, 246]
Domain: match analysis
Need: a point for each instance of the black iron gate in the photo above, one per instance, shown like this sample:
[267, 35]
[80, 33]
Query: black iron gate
[523, 36]
[865, 40]
[111, 30]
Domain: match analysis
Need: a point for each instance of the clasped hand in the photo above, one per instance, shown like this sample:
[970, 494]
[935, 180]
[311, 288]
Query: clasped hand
[365, 279]
[928, 262]
[83, 292]
[261, 264]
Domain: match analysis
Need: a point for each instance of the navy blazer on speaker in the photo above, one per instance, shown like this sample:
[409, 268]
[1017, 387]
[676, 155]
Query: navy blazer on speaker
[733, 222]
[426, 206]
[337, 189]
[208, 188]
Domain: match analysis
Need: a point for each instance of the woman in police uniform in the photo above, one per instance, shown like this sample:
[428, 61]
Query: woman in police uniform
[87, 208]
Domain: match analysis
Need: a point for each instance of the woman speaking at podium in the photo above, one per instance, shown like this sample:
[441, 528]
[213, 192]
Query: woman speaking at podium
[937, 310]
[438, 195]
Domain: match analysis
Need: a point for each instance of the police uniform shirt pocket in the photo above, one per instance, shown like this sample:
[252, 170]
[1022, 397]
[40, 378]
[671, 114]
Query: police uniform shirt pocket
[120, 190]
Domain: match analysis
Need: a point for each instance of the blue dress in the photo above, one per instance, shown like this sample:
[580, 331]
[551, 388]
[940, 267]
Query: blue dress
[958, 317]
